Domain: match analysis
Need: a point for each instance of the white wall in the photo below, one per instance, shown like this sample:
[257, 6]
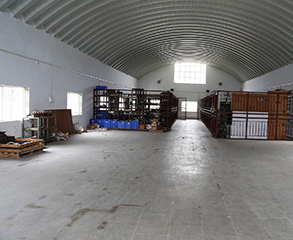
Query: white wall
[272, 80]
[191, 91]
[19, 38]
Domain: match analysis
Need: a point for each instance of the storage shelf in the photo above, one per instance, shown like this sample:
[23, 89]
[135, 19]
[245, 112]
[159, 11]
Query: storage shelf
[41, 127]
[248, 115]
[136, 104]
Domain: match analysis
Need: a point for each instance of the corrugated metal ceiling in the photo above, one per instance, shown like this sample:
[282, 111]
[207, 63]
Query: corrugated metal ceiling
[246, 38]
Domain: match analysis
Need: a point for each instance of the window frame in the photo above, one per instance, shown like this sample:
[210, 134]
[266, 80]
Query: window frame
[16, 105]
[76, 108]
[189, 73]
[186, 107]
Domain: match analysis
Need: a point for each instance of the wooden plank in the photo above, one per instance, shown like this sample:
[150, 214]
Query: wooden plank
[29, 139]
[32, 142]
[31, 149]
[64, 120]
[277, 110]
[16, 151]
[14, 154]
[257, 102]
[239, 102]
[9, 154]
[277, 130]
[279, 103]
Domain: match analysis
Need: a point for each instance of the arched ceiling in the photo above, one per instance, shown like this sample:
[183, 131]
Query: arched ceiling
[246, 38]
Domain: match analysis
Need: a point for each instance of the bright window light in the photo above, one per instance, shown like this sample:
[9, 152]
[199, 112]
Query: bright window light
[189, 106]
[190, 73]
[14, 103]
[74, 102]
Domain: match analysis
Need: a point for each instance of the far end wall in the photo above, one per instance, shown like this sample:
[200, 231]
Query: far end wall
[191, 91]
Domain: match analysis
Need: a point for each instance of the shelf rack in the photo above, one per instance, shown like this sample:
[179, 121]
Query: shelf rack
[248, 115]
[136, 104]
[41, 127]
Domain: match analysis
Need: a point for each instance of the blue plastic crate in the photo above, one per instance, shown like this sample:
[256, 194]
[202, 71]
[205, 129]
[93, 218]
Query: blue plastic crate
[101, 122]
[128, 125]
[101, 112]
[121, 124]
[107, 123]
[101, 87]
[135, 124]
[114, 124]
[96, 120]
[101, 117]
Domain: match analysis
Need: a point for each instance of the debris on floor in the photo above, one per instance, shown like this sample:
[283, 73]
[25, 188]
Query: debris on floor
[78, 128]
[94, 127]
[62, 136]
[154, 124]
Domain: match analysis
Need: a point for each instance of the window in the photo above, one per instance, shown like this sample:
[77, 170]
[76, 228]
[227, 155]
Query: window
[189, 106]
[74, 102]
[14, 103]
[190, 73]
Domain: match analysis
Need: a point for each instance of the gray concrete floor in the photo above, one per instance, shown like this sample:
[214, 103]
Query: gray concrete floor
[183, 184]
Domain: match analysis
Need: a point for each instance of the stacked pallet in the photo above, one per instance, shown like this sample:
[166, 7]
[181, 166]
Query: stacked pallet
[22, 146]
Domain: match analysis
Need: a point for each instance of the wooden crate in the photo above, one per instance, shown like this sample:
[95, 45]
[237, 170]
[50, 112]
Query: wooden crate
[16, 151]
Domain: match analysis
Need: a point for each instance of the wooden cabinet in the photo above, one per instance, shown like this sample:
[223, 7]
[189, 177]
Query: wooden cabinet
[277, 115]
[274, 103]
[277, 126]
[256, 102]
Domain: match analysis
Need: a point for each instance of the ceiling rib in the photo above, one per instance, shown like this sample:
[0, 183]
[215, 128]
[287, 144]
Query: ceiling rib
[245, 38]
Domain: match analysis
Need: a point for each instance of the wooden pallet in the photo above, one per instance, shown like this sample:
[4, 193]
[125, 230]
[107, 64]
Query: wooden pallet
[16, 151]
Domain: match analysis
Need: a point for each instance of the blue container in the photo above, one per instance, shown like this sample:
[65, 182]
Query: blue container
[101, 117]
[94, 120]
[107, 123]
[101, 87]
[121, 124]
[128, 125]
[101, 112]
[114, 124]
[91, 120]
[101, 122]
[135, 124]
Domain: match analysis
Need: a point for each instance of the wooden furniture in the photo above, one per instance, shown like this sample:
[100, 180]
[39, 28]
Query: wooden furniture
[248, 115]
[22, 146]
[64, 120]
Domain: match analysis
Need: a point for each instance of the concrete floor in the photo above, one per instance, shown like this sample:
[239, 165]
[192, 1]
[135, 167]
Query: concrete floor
[183, 184]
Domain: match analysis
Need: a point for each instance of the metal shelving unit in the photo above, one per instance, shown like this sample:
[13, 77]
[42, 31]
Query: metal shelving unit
[136, 104]
[41, 127]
